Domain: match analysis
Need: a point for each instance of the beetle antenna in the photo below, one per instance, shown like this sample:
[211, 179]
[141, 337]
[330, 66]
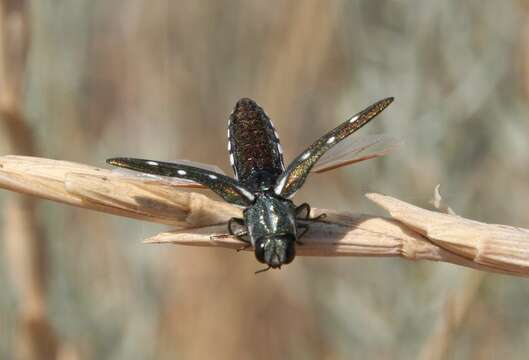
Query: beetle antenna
[263, 270]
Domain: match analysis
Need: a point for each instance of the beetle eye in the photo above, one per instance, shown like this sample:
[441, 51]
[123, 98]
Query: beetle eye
[260, 251]
[290, 252]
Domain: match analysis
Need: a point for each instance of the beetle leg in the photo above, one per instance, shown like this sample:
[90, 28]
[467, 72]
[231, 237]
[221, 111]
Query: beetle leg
[237, 221]
[247, 246]
[242, 237]
[303, 213]
[305, 228]
[240, 233]
[303, 208]
[306, 208]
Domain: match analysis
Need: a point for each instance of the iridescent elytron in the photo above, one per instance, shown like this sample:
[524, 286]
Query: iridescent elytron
[271, 223]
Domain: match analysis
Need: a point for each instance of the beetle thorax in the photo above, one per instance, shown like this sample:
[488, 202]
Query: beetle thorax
[270, 215]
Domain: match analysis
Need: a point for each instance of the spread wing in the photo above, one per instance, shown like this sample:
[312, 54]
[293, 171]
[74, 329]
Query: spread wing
[295, 175]
[167, 180]
[355, 149]
[187, 174]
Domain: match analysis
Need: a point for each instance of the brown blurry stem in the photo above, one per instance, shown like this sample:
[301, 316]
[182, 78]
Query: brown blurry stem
[411, 232]
[25, 247]
[14, 42]
[456, 306]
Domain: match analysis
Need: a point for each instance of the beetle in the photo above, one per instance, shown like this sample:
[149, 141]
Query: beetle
[271, 223]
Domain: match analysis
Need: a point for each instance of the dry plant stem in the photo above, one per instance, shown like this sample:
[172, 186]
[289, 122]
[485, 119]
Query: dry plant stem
[456, 308]
[457, 304]
[412, 233]
[25, 248]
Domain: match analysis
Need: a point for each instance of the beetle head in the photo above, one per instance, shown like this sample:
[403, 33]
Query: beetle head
[276, 250]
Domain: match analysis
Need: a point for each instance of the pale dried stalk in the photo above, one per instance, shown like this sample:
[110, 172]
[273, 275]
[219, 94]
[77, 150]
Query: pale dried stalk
[450, 319]
[457, 304]
[412, 233]
[25, 247]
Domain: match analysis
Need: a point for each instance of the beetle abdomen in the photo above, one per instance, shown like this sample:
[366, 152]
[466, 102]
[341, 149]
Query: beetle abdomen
[253, 145]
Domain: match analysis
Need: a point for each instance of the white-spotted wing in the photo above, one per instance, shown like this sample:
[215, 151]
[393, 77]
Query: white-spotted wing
[184, 174]
[296, 173]
[167, 180]
[355, 149]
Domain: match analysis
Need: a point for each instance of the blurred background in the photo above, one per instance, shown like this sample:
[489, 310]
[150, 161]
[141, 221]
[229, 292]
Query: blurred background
[91, 79]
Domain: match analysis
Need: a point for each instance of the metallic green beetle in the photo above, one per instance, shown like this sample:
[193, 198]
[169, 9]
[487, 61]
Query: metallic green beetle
[272, 224]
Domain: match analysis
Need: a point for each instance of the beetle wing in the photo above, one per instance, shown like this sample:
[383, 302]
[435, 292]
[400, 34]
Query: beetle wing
[169, 181]
[295, 175]
[253, 145]
[188, 176]
[353, 150]
[209, 167]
